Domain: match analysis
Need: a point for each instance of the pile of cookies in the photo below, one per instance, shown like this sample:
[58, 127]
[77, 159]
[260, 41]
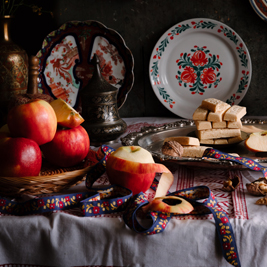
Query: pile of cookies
[218, 123]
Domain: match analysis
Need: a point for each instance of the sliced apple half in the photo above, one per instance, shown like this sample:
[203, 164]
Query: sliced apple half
[67, 116]
[257, 142]
[134, 168]
[170, 204]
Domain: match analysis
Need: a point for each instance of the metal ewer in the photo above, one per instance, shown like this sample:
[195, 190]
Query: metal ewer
[99, 108]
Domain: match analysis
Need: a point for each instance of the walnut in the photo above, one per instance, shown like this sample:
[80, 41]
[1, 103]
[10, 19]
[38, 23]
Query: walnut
[258, 187]
[262, 201]
[172, 148]
[231, 184]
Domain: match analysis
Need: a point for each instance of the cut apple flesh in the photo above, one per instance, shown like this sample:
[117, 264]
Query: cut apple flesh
[67, 116]
[134, 153]
[170, 204]
[257, 142]
[134, 168]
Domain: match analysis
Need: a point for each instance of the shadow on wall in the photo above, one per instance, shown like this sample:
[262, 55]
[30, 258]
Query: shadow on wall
[29, 28]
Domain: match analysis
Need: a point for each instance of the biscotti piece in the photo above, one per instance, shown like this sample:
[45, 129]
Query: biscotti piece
[235, 113]
[184, 140]
[214, 105]
[200, 114]
[219, 124]
[220, 141]
[217, 133]
[234, 124]
[194, 151]
[235, 139]
[206, 141]
[203, 125]
[217, 116]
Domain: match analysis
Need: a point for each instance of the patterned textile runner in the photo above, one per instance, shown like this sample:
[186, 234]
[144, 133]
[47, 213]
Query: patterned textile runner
[114, 199]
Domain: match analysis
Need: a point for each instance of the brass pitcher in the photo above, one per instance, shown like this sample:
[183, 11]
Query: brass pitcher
[99, 108]
[13, 68]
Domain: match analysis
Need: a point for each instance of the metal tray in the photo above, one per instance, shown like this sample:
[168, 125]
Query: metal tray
[151, 138]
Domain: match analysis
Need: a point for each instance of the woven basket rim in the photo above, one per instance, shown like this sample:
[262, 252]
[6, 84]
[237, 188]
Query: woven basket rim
[40, 177]
[42, 184]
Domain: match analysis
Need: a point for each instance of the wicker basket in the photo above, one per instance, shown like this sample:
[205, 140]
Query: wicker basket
[50, 180]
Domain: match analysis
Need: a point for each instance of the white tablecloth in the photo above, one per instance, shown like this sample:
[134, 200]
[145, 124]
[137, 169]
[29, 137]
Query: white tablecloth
[69, 239]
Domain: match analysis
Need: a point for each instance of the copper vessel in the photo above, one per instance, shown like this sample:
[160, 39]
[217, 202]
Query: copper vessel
[13, 67]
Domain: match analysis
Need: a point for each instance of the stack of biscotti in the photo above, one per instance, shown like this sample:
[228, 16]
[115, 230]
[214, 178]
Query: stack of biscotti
[191, 146]
[218, 123]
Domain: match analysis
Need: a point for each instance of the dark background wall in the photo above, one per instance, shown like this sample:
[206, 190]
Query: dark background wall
[141, 23]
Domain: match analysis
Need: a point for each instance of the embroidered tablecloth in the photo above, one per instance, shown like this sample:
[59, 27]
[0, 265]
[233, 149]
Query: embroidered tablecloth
[66, 238]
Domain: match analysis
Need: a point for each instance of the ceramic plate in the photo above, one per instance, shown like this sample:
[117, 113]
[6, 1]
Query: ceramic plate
[64, 60]
[260, 7]
[197, 59]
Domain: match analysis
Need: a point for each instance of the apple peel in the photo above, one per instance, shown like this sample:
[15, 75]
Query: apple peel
[161, 204]
[133, 167]
[128, 170]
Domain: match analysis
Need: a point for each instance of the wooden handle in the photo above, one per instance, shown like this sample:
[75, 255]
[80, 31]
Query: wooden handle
[33, 75]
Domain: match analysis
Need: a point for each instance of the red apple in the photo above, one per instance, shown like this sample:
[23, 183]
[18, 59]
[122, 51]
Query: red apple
[35, 120]
[19, 157]
[68, 148]
[134, 168]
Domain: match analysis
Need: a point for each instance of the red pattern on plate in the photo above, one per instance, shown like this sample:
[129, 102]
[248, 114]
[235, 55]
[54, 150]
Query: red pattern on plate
[65, 60]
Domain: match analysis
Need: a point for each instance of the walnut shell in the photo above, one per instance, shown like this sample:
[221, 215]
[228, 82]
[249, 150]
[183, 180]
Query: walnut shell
[262, 201]
[172, 148]
[258, 187]
[231, 184]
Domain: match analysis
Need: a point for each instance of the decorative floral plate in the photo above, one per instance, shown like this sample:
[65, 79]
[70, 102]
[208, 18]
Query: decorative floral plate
[260, 7]
[64, 60]
[197, 59]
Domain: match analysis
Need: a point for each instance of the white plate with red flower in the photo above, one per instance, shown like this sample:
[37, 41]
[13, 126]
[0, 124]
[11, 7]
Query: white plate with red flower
[198, 59]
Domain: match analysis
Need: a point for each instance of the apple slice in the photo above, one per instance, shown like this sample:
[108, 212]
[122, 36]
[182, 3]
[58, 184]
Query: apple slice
[170, 204]
[67, 116]
[257, 142]
[134, 168]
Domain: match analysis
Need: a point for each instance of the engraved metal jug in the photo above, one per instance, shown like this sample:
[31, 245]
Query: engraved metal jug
[99, 108]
